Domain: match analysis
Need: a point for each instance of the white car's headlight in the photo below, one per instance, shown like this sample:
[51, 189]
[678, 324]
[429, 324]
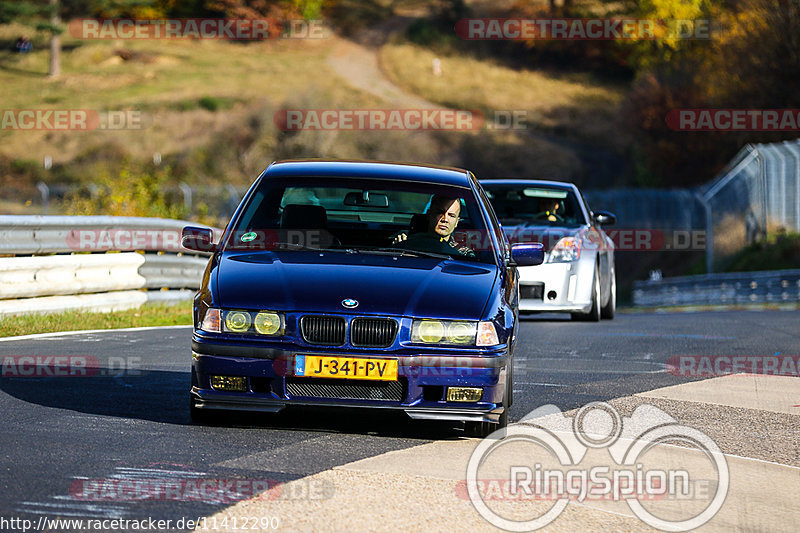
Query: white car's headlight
[566, 249]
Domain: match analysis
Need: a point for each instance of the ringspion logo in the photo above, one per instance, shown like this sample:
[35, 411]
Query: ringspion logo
[552, 458]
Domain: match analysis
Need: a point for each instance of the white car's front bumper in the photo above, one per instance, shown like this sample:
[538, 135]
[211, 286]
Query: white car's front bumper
[563, 287]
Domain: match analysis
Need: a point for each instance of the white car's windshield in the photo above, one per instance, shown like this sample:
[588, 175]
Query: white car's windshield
[534, 205]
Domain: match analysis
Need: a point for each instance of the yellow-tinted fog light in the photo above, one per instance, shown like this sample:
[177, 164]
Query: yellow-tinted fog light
[229, 383]
[464, 394]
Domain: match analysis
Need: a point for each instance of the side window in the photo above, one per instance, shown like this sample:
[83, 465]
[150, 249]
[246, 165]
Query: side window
[495, 225]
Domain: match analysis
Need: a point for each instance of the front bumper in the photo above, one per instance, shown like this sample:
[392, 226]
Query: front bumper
[557, 287]
[422, 384]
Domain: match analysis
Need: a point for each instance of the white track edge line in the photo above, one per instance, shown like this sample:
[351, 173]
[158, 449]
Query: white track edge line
[85, 331]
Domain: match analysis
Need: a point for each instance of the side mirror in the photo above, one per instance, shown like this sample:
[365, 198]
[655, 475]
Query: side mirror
[604, 218]
[528, 254]
[198, 239]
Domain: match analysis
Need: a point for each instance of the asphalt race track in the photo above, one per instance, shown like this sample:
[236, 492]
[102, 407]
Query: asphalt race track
[129, 421]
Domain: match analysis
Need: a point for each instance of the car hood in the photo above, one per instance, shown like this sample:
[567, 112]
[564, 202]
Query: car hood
[382, 285]
[547, 235]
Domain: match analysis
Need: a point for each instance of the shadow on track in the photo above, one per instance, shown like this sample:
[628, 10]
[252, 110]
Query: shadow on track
[163, 396]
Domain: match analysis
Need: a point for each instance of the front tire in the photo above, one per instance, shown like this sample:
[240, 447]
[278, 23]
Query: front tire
[482, 430]
[609, 310]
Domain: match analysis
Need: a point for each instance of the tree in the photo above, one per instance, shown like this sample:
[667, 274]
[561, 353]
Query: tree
[46, 15]
[252, 9]
[750, 61]
[43, 17]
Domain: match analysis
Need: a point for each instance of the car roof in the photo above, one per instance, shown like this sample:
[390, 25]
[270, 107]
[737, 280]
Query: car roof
[521, 182]
[369, 169]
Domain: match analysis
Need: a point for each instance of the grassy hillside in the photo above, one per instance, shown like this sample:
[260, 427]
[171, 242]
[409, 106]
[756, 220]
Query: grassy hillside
[572, 104]
[207, 108]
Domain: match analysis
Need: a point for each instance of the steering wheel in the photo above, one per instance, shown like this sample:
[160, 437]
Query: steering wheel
[427, 242]
[546, 216]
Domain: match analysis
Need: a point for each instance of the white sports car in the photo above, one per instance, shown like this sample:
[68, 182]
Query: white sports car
[577, 275]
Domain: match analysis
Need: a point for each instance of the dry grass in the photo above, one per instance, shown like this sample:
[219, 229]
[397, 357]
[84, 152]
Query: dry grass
[146, 316]
[236, 141]
[259, 76]
[572, 103]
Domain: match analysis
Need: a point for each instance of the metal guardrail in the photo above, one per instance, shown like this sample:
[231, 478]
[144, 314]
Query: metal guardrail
[94, 263]
[778, 286]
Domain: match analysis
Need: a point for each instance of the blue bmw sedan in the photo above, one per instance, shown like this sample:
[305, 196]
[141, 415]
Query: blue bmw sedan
[359, 284]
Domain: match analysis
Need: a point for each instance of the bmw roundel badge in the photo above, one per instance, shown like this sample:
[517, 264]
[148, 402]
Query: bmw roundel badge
[350, 303]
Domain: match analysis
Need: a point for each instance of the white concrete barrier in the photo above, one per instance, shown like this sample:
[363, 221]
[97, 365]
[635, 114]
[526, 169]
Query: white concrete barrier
[94, 263]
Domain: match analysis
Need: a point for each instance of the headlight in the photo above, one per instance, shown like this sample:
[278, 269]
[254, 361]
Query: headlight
[237, 321]
[566, 249]
[443, 332]
[427, 331]
[267, 323]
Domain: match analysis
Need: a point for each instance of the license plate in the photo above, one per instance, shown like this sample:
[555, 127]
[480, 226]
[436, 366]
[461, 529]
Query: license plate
[321, 366]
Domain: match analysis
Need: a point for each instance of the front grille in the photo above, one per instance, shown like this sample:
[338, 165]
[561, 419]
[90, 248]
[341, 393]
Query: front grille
[388, 391]
[326, 330]
[373, 332]
[532, 292]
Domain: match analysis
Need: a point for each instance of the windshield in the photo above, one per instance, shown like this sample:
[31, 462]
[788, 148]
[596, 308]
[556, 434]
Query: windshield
[363, 216]
[535, 205]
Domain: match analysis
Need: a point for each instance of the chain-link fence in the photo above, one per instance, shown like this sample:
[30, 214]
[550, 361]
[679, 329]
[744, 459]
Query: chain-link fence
[758, 193]
[215, 201]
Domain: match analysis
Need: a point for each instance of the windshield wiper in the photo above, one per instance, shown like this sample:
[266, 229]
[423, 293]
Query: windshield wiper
[398, 252]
